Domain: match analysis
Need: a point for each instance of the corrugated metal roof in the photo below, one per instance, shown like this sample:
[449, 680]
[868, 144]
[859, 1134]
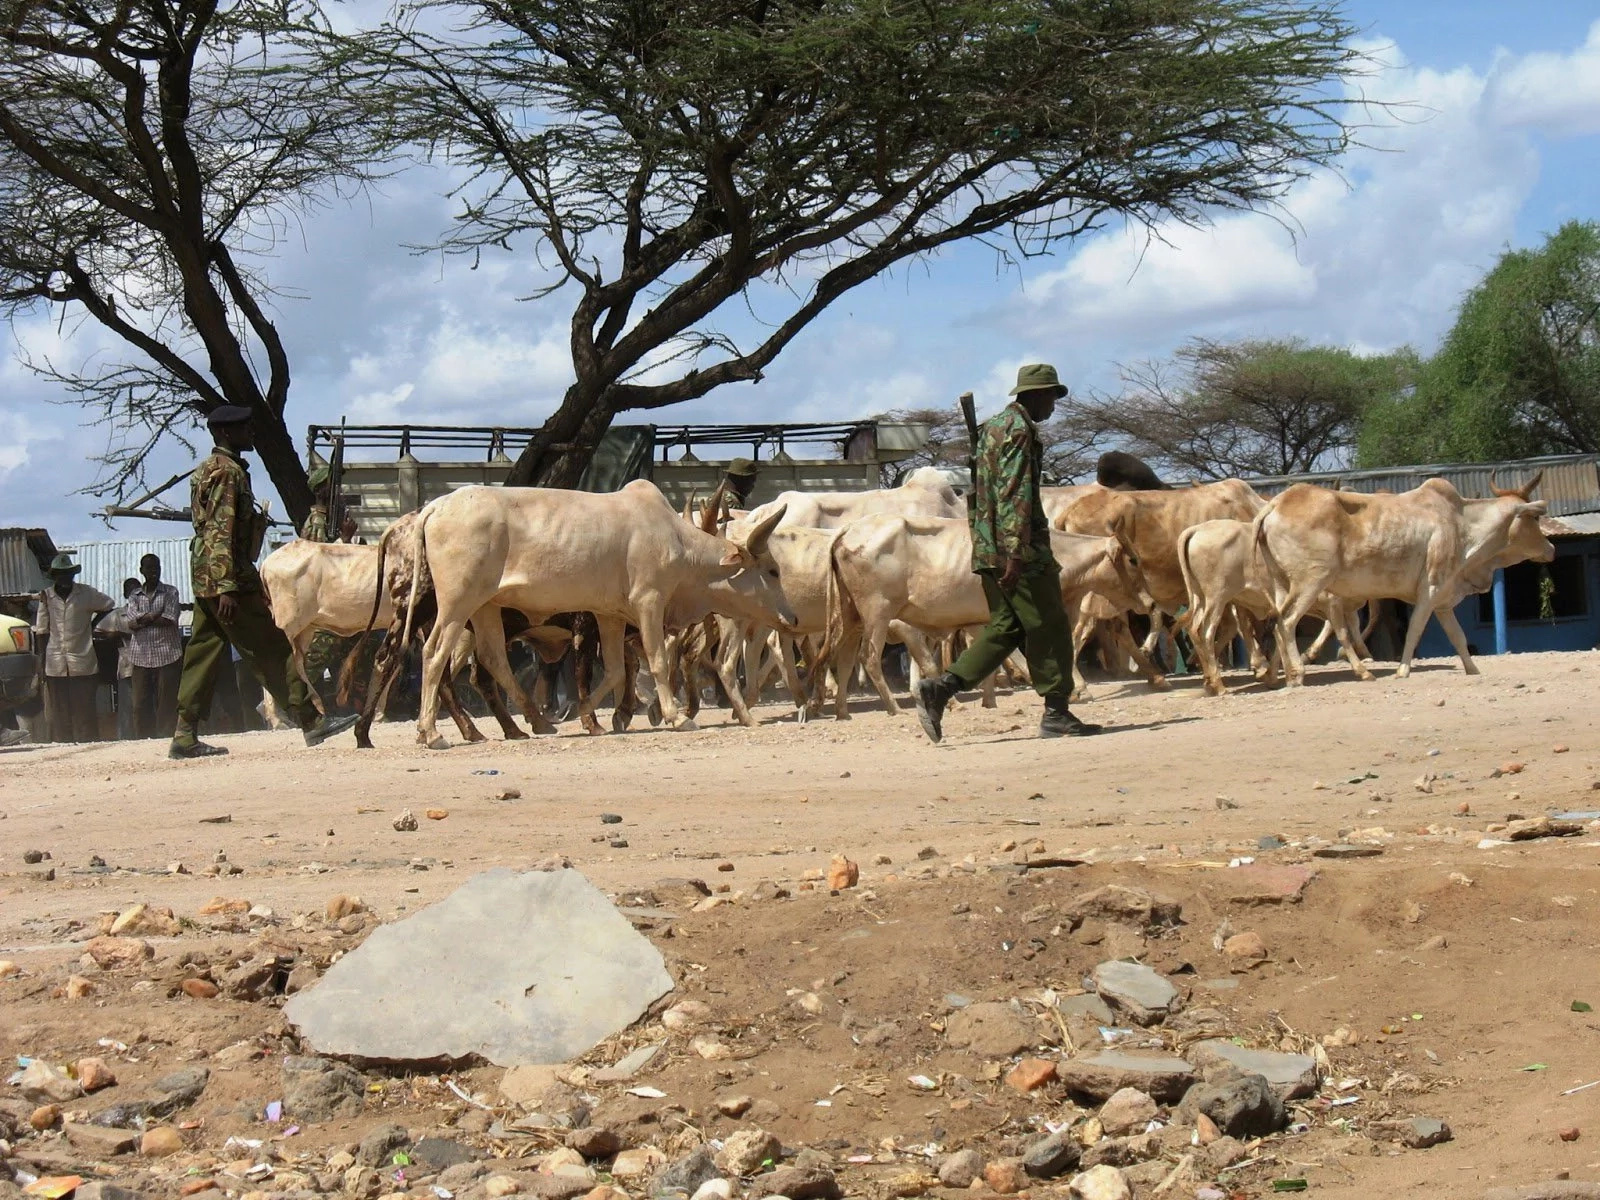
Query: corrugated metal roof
[20, 565]
[106, 564]
[1571, 482]
[1572, 525]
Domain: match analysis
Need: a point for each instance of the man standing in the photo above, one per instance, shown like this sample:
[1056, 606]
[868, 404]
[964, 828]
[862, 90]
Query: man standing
[116, 624]
[738, 482]
[155, 648]
[66, 616]
[230, 610]
[1011, 552]
[316, 527]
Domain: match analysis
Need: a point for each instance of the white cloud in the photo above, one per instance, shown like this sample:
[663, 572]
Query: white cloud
[1554, 92]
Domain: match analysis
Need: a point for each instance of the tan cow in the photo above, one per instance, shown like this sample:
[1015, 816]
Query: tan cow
[624, 556]
[322, 585]
[923, 494]
[1429, 547]
[919, 571]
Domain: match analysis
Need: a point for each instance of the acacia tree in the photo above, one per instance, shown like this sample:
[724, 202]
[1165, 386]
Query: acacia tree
[672, 162]
[1517, 375]
[150, 151]
[1245, 408]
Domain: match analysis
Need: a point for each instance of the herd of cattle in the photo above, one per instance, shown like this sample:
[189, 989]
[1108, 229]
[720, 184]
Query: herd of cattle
[811, 585]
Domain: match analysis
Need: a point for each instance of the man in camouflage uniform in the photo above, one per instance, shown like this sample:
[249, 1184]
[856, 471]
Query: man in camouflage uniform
[229, 607]
[1011, 552]
[317, 528]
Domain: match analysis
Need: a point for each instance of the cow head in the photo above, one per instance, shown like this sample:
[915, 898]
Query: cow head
[1525, 492]
[754, 590]
[1126, 564]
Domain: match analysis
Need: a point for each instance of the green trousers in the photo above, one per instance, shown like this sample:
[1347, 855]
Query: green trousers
[1030, 616]
[261, 645]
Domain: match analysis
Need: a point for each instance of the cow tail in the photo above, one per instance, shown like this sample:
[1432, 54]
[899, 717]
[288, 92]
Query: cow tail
[1258, 540]
[419, 547]
[841, 611]
[1189, 586]
[377, 591]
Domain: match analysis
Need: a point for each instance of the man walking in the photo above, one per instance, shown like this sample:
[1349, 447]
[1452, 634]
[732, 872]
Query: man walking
[1011, 552]
[66, 616]
[155, 650]
[230, 610]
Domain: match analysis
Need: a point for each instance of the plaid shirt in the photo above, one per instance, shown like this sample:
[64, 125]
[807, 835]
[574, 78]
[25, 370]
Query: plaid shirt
[154, 645]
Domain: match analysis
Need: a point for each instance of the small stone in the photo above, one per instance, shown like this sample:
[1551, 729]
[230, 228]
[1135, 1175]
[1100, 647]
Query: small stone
[1031, 1074]
[797, 1183]
[195, 1186]
[405, 822]
[842, 873]
[1006, 1176]
[1247, 947]
[1133, 906]
[1128, 1111]
[8, 968]
[1053, 1155]
[882, 860]
[1417, 1133]
[725, 867]
[958, 1170]
[686, 1014]
[1346, 850]
[1512, 768]
[1100, 1183]
[380, 1144]
[160, 1142]
[1206, 1129]
[99, 1142]
[75, 988]
[199, 989]
[714, 1189]
[639, 1163]
[93, 1074]
[439, 814]
[45, 1084]
[734, 1105]
[744, 1152]
[993, 1030]
[501, 1185]
[342, 906]
[926, 853]
[710, 1047]
[1569, 1134]
[691, 1173]
[1100, 1076]
[221, 906]
[595, 1141]
[811, 1003]
[1245, 1106]
[111, 953]
[46, 1116]
[1139, 993]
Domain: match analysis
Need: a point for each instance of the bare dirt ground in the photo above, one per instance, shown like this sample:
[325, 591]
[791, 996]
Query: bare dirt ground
[1453, 956]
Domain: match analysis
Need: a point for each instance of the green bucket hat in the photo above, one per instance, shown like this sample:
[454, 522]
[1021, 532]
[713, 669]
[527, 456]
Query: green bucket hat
[63, 562]
[1038, 377]
[319, 476]
[743, 468]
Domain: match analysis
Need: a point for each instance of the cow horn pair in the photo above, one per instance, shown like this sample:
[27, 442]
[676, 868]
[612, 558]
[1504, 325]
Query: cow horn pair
[1523, 493]
[756, 543]
[713, 508]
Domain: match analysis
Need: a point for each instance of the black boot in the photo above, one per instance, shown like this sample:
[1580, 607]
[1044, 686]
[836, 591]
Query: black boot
[321, 728]
[932, 697]
[1058, 722]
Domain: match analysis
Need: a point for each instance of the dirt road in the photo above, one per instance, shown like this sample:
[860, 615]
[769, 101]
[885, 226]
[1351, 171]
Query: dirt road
[1183, 786]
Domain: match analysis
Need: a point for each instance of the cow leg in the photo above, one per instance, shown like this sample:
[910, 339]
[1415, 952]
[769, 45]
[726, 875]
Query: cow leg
[1339, 622]
[299, 645]
[872, 661]
[1205, 622]
[791, 676]
[385, 670]
[436, 655]
[651, 614]
[452, 705]
[734, 649]
[612, 636]
[1419, 621]
[491, 654]
[1289, 618]
[628, 702]
[1358, 635]
[1458, 638]
[1314, 651]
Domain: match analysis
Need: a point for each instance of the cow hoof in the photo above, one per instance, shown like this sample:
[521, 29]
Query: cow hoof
[801, 716]
[1404, 672]
[1160, 684]
[437, 742]
[515, 735]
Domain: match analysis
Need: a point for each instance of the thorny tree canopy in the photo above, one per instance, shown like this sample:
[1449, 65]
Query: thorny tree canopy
[663, 157]
[150, 152]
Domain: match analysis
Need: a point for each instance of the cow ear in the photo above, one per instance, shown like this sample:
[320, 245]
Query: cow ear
[735, 557]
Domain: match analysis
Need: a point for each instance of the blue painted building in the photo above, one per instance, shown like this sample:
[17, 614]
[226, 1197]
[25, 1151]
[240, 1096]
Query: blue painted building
[1533, 606]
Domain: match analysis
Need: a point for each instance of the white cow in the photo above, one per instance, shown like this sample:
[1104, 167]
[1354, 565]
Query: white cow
[322, 585]
[923, 494]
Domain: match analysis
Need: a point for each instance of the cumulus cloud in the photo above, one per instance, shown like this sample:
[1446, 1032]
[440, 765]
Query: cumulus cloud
[1554, 92]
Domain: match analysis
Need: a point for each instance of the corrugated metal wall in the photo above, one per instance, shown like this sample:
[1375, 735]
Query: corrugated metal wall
[19, 568]
[106, 564]
[1571, 482]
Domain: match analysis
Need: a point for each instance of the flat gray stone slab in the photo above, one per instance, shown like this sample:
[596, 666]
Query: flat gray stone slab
[511, 968]
[1101, 1076]
[1143, 995]
[1291, 1075]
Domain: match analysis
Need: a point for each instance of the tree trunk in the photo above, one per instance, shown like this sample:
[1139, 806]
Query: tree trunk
[284, 468]
[560, 452]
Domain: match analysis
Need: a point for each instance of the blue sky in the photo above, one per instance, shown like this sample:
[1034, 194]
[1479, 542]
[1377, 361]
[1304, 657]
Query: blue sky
[1509, 150]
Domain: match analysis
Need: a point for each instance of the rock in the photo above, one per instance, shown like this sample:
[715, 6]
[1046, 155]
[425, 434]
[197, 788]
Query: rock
[637, 1164]
[315, 1089]
[797, 1183]
[1133, 906]
[442, 1153]
[254, 978]
[1122, 1151]
[379, 1145]
[114, 953]
[75, 988]
[1127, 1111]
[199, 989]
[222, 906]
[46, 1116]
[993, 1030]
[1292, 1076]
[595, 1141]
[99, 1190]
[1223, 1152]
[1100, 1076]
[1346, 850]
[714, 1189]
[1248, 947]
[1100, 1183]
[540, 966]
[710, 1047]
[439, 814]
[99, 1142]
[527, 1085]
[93, 1074]
[680, 891]
[842, 873]
[142, 919]
[178, 1089]
[958, 1170]
[8, 968]
[691, 1173]
[1563, 1189]
[630, 1064]
[1087, 1005]
[1270, 883]
[405, 822]
[45, 1084]
[342, 906]
[1138, 993]
[33, 856]
[1570, 1134]
[1246, 1106]
[1005, 1176]
[160, 1142]
[501, 1185]
[744, 1152]
[1031, 1074]
[686, 1014]
[734, 1105]
[1052, 1155]
[1205, 1129]
[1417, 1133]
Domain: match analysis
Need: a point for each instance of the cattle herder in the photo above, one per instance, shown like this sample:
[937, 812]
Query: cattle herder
[229, 606]
[1011, 553]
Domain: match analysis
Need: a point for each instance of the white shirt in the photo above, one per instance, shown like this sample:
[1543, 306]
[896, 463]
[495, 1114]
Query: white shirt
[70, 624]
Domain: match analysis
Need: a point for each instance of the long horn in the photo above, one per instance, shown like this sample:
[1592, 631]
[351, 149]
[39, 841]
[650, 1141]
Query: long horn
[1526, 490]
[1494, 485]
[688, 507]
[713, 507]
[756, 543]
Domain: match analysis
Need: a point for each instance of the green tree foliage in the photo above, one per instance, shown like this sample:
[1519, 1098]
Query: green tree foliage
[1518, 375]
[705, 177]
[1247, 408]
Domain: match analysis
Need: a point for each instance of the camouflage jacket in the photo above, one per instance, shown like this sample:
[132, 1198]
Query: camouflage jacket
[228, 528]
[316, 527]
[1007, 517]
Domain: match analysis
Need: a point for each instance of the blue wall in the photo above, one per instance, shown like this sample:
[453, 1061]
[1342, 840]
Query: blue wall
[1580, 632]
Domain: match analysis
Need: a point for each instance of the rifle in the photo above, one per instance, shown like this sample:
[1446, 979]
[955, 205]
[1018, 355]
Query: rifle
[969, 414]
[336, 486]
